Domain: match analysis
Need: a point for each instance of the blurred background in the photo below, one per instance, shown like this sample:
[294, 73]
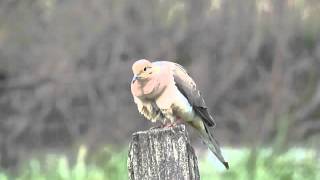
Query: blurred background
[66, 111]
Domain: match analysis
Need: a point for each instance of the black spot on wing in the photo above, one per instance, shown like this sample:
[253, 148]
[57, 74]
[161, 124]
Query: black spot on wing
[204, 113]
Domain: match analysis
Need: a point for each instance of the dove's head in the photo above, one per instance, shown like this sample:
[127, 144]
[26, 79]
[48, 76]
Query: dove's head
[142, 70]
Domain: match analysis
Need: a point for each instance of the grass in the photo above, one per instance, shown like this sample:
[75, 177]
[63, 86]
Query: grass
[295, 164]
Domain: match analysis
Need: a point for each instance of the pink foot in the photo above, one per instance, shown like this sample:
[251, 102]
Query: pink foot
[170, 125]
[177, 122]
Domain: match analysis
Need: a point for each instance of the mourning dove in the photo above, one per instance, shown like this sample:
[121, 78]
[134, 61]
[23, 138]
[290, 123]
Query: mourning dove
[163, 91]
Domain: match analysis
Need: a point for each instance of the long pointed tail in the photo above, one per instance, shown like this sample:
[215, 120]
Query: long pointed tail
[212, 143]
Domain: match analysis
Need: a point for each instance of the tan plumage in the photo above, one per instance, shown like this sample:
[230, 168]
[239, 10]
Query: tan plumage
[163, 91]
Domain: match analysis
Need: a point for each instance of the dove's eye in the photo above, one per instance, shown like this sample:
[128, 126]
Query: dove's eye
[145, 69]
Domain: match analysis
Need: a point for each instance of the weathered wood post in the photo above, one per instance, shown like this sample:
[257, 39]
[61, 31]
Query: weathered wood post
[163, 154]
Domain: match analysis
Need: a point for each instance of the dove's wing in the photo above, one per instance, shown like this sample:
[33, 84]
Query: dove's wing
[188, 88]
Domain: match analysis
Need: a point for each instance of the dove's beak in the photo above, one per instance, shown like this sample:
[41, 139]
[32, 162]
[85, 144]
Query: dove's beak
[135, 77]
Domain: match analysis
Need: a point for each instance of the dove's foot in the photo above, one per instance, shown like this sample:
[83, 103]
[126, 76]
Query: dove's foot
[175, 123]
[170, 125]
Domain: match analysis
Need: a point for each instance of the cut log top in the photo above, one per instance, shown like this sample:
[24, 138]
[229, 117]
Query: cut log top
[164, 154]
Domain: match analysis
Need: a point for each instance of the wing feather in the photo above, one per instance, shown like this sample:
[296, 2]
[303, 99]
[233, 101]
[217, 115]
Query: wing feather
[188, 88]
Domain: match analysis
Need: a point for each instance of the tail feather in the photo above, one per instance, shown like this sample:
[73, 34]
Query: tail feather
[212, 143]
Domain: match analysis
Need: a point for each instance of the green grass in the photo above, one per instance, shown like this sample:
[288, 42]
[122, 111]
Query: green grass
[295, 164]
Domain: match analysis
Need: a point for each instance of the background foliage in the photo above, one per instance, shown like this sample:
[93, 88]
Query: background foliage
[108, 164]
[65, 70]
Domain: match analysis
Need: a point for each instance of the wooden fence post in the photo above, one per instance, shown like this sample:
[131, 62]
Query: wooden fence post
[162, 154]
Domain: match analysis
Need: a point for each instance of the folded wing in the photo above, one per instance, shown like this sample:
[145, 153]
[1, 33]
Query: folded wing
[188, 88]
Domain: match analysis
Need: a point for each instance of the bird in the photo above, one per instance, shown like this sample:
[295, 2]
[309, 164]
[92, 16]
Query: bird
[164, 92]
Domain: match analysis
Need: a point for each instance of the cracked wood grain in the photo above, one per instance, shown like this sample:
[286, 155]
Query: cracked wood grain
[164, 154]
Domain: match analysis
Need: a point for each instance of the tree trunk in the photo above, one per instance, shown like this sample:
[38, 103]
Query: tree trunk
[164, 154]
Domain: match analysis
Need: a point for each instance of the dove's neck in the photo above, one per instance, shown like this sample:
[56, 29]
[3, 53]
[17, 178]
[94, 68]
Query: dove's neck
[154, 86]
[152, 89]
